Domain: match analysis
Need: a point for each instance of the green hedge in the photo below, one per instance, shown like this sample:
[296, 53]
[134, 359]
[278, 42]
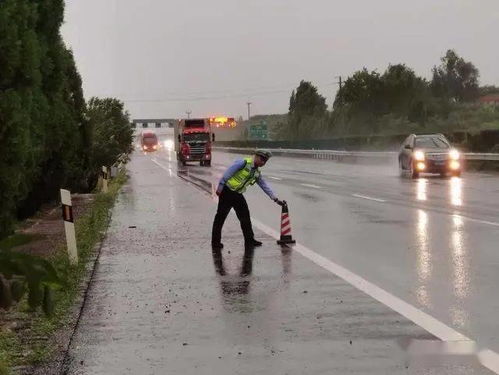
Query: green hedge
[46, 135]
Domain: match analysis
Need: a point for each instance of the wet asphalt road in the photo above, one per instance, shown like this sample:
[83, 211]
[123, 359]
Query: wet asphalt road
[433, 242]
[162, 303]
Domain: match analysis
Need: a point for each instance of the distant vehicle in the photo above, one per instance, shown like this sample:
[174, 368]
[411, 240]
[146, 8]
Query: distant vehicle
[193, 141]
[430, 153]
[149, 141]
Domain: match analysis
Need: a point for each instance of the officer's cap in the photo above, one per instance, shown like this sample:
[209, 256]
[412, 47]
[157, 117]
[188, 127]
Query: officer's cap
[264, 154]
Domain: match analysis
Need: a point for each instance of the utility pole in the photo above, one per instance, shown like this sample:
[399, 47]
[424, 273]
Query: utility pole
[249, 111]
[340, 83]
[188, 112]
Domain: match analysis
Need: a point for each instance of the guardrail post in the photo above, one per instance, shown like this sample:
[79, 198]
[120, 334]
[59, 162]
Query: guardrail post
[104, 179]
[69, 226]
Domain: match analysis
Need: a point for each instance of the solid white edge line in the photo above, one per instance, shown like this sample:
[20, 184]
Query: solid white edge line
[369, 198]
[419, 317]
[487, 357]
[312, 186]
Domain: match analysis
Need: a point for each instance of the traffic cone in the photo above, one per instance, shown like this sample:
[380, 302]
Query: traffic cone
[286, 238]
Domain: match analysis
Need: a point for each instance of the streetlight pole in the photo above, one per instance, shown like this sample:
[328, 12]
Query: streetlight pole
[188, 112]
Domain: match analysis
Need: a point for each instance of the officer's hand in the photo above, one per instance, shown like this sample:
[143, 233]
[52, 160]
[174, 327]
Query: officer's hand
[218, 192]
[279, 202]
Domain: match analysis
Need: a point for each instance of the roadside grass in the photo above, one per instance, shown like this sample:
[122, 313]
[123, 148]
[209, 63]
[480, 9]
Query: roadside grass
[17, 239]
[31, 346]
[8, 344]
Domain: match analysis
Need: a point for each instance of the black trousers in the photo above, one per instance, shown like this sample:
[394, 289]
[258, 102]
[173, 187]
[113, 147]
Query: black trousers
[229, 199]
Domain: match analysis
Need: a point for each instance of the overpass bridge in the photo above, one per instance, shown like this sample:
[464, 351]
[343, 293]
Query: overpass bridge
[161, 126]
[164, 126]
[158, 123]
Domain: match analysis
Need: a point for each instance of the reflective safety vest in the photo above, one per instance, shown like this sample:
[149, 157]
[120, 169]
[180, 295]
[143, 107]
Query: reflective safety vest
[244, 177]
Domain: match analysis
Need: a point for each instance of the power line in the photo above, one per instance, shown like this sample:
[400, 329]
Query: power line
[214, 97]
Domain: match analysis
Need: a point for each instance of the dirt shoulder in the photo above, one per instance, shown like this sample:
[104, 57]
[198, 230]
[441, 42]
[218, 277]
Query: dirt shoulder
[30, 342]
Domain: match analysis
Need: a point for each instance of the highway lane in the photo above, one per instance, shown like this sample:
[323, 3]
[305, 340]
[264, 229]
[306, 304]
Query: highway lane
[162, 302]
[432, 242]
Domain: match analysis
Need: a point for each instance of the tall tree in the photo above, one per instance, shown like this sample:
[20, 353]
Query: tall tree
[42, 127]
[307, 101]
[111, 132]
[402, 89]
[360, 102]
[306, 108]
[455, 78]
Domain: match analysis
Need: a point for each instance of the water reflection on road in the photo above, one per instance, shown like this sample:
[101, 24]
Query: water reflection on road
[421, 191]
[235, 287]
[424, 264]
[460, 271]
[456, 191]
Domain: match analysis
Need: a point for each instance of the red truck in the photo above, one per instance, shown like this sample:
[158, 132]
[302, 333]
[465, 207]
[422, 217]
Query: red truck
[193, 141]
[149, 141]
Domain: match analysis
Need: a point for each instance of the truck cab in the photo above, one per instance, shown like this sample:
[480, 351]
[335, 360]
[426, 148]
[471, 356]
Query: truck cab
[193, 141]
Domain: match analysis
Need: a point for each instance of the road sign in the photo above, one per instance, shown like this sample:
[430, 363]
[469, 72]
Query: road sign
[258, 131]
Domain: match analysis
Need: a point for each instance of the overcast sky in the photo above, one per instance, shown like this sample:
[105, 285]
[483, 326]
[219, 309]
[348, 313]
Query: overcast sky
[163, 57]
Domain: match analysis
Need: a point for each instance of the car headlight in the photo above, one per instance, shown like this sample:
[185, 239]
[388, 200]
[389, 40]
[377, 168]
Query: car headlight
[454, 154]
[421, 166]
[419, 155]
[454, 165]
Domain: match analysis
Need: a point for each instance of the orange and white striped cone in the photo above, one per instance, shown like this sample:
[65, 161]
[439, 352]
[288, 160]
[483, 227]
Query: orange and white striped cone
[286, 238]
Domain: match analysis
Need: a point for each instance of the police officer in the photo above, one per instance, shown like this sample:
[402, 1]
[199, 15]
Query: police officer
[232, 185]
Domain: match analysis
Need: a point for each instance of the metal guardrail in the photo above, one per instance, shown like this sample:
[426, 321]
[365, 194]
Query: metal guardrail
[482, 157]
[340, 155]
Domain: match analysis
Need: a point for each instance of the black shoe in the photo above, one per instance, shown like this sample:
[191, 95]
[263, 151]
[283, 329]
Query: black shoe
[253, 243]
[217, 246]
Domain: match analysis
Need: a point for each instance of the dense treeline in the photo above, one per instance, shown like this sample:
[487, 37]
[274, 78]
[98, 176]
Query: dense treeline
[46, 136]
[396, 101]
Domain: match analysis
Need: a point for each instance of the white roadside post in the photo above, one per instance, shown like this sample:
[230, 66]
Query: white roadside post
[69, 226]
[104, 179]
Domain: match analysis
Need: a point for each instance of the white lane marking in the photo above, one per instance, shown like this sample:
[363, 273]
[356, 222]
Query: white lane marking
[479, 221]
[312, 186]
[369, 198]
[169, 170]
[275, 178]
[487, 357]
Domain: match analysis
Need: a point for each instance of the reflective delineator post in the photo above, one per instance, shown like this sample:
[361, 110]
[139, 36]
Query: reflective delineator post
[69, 226]
[286, 238]
[105, 176]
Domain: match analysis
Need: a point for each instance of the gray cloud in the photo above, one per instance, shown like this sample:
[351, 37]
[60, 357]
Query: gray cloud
[164, 57]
